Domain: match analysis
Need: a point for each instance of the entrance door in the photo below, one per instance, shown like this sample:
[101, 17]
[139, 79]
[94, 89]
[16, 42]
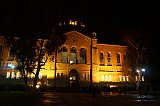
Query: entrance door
[73, 78]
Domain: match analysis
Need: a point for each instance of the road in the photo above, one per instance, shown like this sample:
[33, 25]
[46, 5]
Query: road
[85, 99]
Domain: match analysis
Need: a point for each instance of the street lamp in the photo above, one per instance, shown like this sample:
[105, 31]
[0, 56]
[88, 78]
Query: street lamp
[139, 76]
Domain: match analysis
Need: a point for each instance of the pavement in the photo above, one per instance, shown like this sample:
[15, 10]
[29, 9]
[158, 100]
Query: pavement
[85, 99]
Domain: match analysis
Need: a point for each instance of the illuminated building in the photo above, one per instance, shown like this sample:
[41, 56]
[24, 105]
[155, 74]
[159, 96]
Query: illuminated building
[74, 61]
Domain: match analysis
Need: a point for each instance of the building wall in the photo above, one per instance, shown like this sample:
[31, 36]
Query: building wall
[110, 73]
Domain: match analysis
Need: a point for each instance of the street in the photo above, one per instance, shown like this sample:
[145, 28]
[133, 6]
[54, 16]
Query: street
[81, 99]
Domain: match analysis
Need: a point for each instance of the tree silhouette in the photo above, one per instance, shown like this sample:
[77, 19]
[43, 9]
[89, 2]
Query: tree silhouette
[135, 57]
[21, 48]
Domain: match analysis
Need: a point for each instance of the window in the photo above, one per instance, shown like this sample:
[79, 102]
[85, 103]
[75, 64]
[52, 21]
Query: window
[13, 75]
[118, 59]
[110, 77]
[102, 77]
[127, 78]
[101, 59]
[73, 55]
[64, 55]
[124, 78]
[109, 58]
[8, 75]
[106, 78]
[17, 75]
[10, 55]
[62, 75]
[72, 22]
[40, 76]
[85, 76]
[82, 56]
[120, 78]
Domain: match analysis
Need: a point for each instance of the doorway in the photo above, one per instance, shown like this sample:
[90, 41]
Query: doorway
[73, 78]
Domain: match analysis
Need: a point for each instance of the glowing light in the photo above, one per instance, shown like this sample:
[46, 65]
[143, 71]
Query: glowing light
[11, 66]
[143, 70]
[70, 78]
[71, 62]
[37, 86]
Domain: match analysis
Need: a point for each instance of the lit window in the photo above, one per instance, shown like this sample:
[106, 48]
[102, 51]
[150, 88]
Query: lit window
[60, 24]
[84, 76]
[74, 77]
[75, 22]
[40, 75]
[127, 78]
[124, 78]
[106, 78]
[70, 22]
[110, 78]
[120, 78]
[13, 75]
[8, 75]
[102, 77]
[17, 75]
[82, 25]
[142, 78]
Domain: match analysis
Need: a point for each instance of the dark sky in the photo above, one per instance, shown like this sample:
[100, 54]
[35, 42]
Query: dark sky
[103, 16]
[108, 18]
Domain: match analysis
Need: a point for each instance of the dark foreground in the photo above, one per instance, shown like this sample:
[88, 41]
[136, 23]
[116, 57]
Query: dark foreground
[75, 98]
[81, 99]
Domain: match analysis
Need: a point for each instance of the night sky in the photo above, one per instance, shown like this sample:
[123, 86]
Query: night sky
[108, 18]
[104, 17]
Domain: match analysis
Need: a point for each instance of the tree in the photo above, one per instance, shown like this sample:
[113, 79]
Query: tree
[30, 50]
[53, 45]
[21, 48]
[48, 46]
[135, 57]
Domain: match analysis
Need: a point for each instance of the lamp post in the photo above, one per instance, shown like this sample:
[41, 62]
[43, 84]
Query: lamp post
[139, 76]
[91, 63]
[91, 47]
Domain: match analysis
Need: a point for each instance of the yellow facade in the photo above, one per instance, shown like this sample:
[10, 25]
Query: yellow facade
[74, 63]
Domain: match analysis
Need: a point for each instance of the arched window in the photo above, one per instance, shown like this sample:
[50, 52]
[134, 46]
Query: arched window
[109, 58]
[64, 55]
[118, 59]
[101, 58]
[82, 56]
[73, 56]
